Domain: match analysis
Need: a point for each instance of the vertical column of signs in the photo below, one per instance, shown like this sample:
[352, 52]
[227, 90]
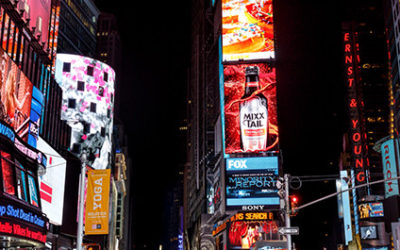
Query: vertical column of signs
[249, 111]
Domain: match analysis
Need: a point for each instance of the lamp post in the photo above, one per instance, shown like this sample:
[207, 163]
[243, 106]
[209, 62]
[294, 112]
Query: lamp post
[79, 233]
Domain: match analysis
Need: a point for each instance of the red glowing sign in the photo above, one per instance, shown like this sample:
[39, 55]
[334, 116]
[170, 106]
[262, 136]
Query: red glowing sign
[15, 229]
[357, 133]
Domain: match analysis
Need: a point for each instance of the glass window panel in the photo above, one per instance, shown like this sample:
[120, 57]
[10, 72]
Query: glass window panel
[8, 173]
[21, 184]
[33, 193]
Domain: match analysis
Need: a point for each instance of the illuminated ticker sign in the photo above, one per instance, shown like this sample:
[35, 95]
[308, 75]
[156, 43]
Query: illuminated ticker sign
[357, 133]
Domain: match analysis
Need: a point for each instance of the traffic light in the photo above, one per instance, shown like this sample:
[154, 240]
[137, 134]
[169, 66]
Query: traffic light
[294, 200]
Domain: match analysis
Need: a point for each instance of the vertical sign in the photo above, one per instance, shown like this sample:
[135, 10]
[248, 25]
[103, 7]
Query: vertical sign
[389, 168]
[346, 208]
[357, 135]
[97, 202]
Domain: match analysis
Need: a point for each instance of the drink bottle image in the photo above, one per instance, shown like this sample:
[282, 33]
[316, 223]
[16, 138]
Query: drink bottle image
[253, 112]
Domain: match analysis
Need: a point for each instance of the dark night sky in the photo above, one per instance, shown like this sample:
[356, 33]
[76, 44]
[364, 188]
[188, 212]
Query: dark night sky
[155, 48]
[310, 97]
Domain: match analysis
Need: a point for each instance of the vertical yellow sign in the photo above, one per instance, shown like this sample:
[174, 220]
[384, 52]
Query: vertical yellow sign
[97, 202]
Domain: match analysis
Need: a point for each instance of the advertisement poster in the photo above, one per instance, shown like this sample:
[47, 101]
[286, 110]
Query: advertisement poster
[250, 109]
[87, 106]
[370, 210]
[252, 182]
[38, 13]
[247, 30]
[15, 96]
[245, 234]
[52, 183]
[97, 202]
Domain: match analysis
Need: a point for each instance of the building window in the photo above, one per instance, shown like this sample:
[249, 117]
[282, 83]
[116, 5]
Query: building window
[90, 70]
[93, 107]
[105, 77]
[8, 173]
[71, 103]
[81, 86]
[18, 181]
[66, 67]
[101, 91]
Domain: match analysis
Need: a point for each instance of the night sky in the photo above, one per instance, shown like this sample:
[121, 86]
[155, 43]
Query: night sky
[311, 106]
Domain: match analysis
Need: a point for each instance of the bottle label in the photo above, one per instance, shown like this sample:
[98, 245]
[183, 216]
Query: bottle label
[252, 84]
[253, 124]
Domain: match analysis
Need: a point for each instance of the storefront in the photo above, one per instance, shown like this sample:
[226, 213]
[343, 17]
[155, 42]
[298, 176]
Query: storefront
[22, 223]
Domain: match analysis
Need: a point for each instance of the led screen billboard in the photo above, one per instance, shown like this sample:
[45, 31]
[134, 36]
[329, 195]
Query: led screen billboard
[38, 15]
[52, 183]
[250, 111]
[245, 234]
[247, 30]
[251, 183]
[16, 96]
[87, 106]
[370, 210]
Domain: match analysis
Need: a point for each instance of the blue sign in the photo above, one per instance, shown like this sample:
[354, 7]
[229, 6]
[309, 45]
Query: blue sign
[20, 213]
[252, 182]
[389, 168]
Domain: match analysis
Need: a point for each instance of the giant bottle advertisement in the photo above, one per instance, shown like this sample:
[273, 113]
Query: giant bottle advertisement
[250, 109]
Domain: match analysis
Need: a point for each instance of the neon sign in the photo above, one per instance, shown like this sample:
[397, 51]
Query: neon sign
[355, 106]
[19, 230]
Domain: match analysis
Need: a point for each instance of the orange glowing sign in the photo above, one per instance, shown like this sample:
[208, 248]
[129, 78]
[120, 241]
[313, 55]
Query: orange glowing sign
[97, 202]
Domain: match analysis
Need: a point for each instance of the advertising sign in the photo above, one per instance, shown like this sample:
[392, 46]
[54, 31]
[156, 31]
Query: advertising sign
[20, 221]
[347, 224]
[247, 30]
[52, 183]
[251, 183]
[355, 104]
[250, 110]
[87, 106]
[389, 168]
[245, 234]
[38, 14]
[370, 210]
[16, 96]
[97, 202]
[36, 113]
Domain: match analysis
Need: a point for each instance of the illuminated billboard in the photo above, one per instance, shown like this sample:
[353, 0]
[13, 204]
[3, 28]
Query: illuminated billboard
[16, 96]
[370, 210]
[247, 30]
[38, 15]
[87, 106]
[251, 183]
[389, 168]
[250, 112]
[52, 183]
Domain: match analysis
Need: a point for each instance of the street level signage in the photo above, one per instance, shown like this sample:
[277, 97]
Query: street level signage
[289, 230]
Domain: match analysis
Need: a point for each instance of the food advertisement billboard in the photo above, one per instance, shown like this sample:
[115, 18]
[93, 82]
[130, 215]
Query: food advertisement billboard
[251, 183]
[250, 109]
[87, 106]
[247, 30]
[52, 183]
[97, 202]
